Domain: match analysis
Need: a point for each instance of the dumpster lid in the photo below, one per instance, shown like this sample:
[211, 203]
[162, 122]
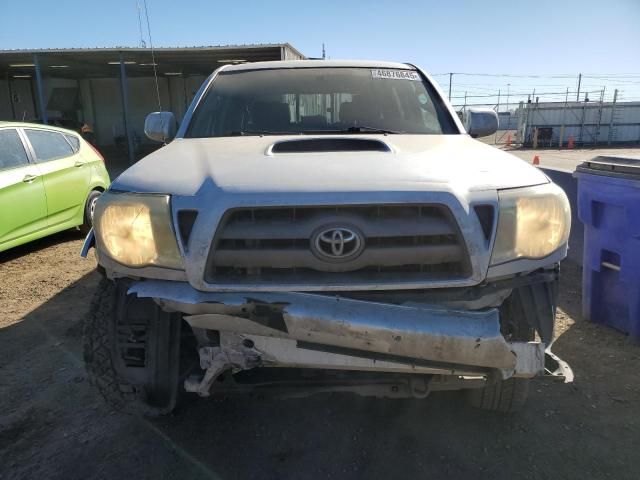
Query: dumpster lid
[621, 167]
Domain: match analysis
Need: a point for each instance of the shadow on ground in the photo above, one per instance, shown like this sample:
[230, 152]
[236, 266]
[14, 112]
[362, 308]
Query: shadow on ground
[41, 244]
[53, 425]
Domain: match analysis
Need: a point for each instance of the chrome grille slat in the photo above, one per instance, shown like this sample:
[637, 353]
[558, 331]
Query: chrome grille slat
[303, 229]
[297, 258]
[271, 245]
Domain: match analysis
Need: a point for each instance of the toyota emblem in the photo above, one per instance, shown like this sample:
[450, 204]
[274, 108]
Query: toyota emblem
[337, 243]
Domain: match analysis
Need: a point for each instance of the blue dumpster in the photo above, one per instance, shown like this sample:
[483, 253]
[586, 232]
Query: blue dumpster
[609, 208]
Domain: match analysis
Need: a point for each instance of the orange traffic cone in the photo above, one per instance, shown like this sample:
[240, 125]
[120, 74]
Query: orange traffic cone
[536, 160]
[570, 142]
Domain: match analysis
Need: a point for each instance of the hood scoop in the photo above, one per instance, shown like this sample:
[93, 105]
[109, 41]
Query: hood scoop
[321, 145]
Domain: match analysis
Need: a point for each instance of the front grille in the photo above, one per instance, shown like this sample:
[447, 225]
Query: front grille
[274, 245]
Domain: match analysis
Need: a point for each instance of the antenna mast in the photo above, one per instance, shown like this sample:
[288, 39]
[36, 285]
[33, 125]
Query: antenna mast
[143, 44]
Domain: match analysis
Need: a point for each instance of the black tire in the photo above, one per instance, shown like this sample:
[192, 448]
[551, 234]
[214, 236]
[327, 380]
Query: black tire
[507, 396]
[88, 211]
[153, 399]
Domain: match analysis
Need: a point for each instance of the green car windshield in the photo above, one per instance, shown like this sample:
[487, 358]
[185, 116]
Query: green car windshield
[320, 100]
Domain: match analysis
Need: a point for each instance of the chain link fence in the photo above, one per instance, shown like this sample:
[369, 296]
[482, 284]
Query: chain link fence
[533, 123]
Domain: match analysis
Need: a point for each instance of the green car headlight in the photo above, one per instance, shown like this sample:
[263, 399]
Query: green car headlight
[533, 223]
[135, 230]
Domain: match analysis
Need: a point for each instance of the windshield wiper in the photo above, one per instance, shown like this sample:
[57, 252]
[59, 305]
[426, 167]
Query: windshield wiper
[363, 129]
[370, 129]
[247, 133]
[357, 129]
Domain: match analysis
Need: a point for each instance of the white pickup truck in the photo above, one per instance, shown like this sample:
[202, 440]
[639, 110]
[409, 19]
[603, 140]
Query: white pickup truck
[318, 226]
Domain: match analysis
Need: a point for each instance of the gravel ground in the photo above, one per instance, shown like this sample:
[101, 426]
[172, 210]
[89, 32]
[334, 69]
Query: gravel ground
[53, 425]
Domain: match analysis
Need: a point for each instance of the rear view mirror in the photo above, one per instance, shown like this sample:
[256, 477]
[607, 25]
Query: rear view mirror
[160, 126]
[480, 122]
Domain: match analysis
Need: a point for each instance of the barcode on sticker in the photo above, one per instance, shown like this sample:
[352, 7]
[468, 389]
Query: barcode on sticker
[395, 74]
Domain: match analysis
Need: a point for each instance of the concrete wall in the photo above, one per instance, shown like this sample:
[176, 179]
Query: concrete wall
[181, 92]
[5, 101]
[107, 104]
[21, 98]
[101, 102]
[176, 94]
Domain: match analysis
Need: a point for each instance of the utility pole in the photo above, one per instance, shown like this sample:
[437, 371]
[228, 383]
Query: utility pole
[324, 53]
[450, 77]
[579, 82]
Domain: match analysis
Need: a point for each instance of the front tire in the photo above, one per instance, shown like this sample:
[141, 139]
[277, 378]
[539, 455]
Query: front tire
[508, 396]
[132, 351]
[505, 396]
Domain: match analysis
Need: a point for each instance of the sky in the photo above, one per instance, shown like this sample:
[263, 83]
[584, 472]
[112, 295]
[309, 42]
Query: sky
[516, 45]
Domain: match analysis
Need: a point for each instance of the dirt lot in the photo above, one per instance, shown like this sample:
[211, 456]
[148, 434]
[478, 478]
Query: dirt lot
[53, 425]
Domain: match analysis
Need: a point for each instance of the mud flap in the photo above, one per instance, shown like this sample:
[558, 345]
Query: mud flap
[89, 241]
[537, 304]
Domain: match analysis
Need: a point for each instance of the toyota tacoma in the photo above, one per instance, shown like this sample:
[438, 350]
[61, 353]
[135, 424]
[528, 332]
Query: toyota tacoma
[322, 226]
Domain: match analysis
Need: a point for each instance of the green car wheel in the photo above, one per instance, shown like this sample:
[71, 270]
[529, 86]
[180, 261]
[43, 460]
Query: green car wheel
[89, 208]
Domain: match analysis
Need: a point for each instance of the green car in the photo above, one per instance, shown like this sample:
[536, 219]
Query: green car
[50, 179]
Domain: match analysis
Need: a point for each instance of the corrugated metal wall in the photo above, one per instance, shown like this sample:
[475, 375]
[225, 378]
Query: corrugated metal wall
[587, 123]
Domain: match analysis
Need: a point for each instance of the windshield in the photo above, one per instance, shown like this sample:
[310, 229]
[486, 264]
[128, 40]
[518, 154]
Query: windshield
[320, 100]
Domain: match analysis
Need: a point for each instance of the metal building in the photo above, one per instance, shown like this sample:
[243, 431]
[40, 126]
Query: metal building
[113, 89]
[586, 123]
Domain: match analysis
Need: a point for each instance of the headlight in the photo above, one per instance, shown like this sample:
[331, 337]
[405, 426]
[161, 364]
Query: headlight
[135, 230]
[533, 223]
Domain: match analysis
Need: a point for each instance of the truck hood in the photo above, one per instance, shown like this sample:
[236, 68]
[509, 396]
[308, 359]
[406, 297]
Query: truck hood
[244, 164]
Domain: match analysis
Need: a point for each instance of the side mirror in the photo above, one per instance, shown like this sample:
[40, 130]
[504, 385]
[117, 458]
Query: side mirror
[480, 122]
[160, 126]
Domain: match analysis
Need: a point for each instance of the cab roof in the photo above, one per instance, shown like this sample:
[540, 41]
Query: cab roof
[317, 64]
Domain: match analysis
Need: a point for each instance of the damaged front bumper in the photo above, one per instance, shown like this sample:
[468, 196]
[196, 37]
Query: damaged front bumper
[318, 331]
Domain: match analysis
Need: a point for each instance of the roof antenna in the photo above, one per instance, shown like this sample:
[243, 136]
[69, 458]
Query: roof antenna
[324, 53]
[143, 44]
[153, 62]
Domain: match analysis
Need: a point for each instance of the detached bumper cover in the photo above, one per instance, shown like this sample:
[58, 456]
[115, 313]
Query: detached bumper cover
[446, 337]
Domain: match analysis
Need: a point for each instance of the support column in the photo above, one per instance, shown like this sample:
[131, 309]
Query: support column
[40, 88]
[613, 110]
[10, 97]
[88, 105]
[184, 92]
[125, 110]
[171, 108]
[564, 111]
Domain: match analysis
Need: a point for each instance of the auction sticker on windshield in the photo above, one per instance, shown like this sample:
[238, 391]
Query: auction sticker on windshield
[395, 74]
